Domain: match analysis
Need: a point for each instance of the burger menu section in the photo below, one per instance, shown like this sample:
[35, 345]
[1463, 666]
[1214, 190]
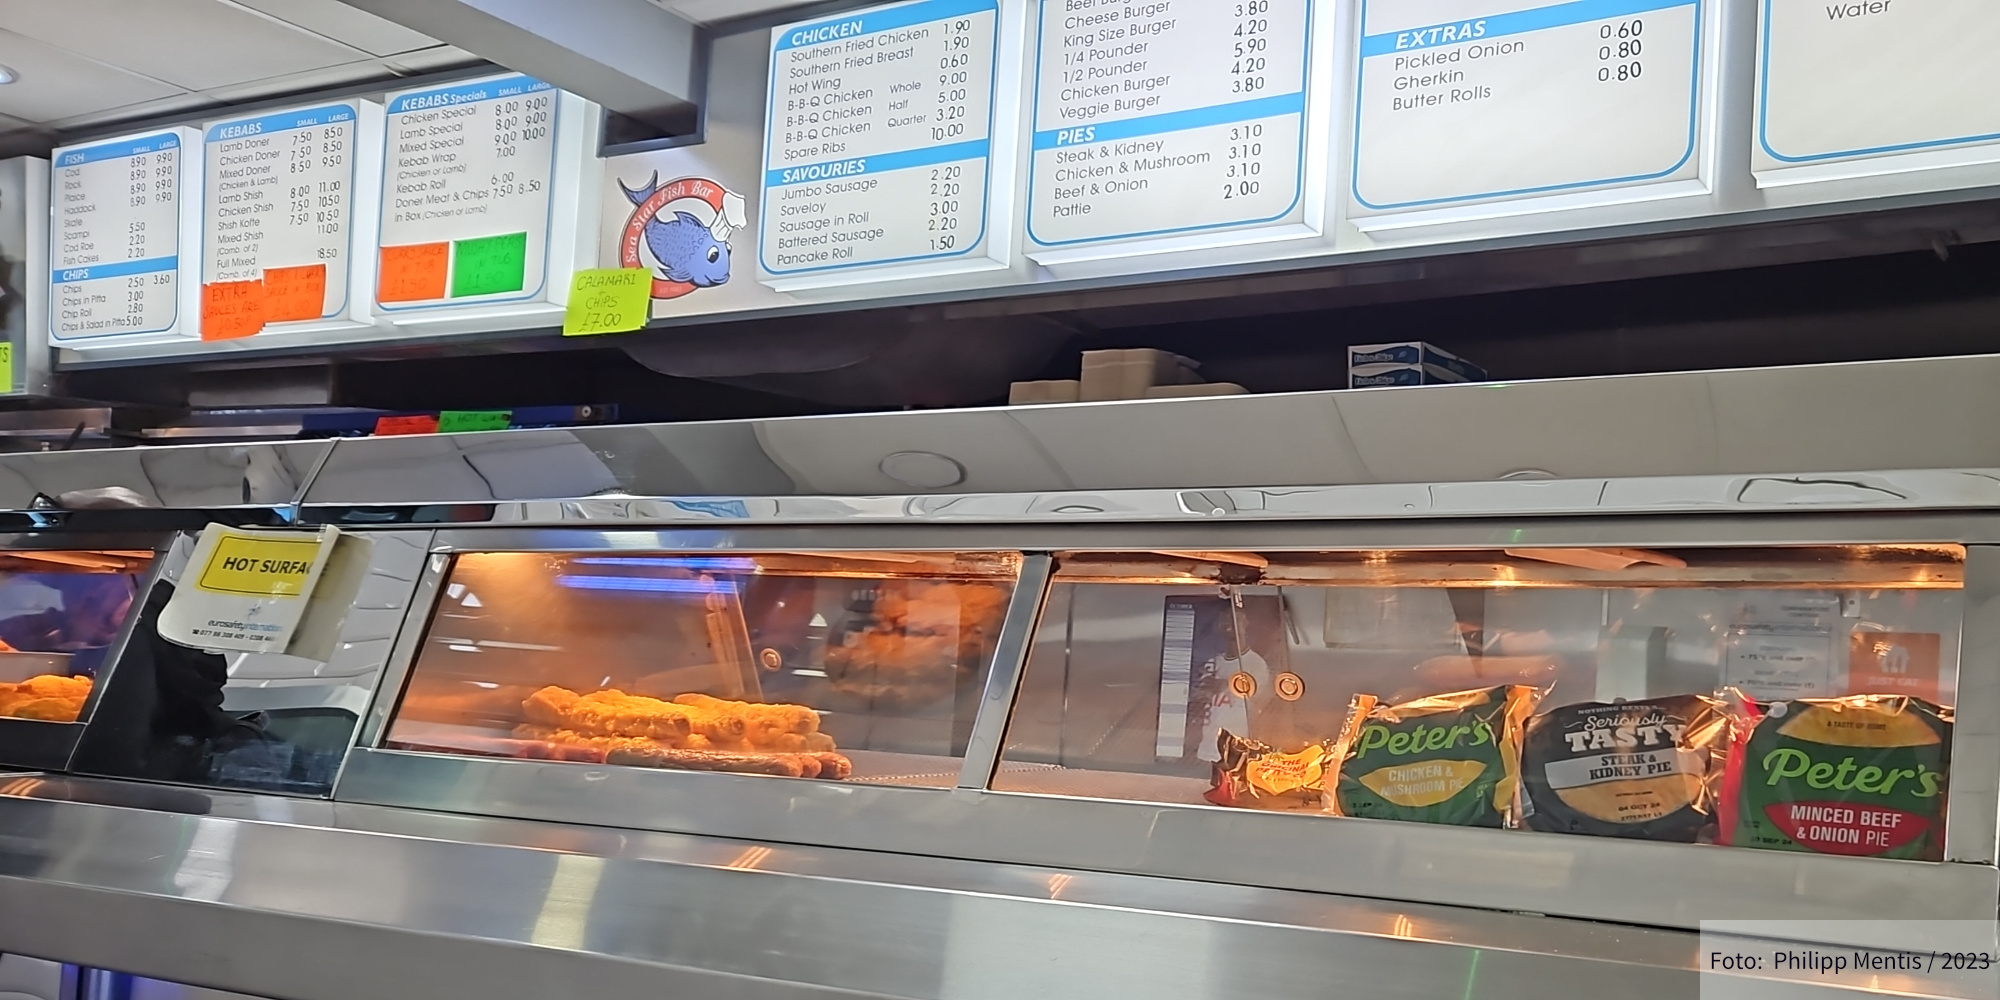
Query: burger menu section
[467, 181]
[1511, 100]
[1167, 118]
[1876, 86]
[879, 139]
[119, 225]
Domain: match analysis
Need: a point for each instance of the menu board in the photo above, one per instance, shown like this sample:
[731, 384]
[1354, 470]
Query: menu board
[468, 181]
[1509, 100]
[1893, 84]
[1159, 118]
[120, 220]
[878, 143]
[278, 211]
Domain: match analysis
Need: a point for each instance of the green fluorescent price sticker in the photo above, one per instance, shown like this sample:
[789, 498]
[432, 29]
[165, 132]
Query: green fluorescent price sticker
[489, 265]
[608, 300]
[6, 366]
[460, 421]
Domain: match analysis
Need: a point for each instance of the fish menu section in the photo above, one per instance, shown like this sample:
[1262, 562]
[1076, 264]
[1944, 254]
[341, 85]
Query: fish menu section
[467, 179]
[1158, 118]
[278, 212]
[115, 236]
[1508, 100]
[1875, 84]
[878, 148]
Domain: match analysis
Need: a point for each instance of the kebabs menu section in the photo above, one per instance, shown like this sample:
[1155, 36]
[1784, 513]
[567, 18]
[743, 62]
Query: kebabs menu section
[1512, 101]
[1167, 118]
[116, 234]
[879, 142]
[862, 666]
[1788, 699]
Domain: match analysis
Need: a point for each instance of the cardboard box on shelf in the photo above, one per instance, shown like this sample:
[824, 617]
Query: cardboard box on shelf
[1127, 374]
[1065, 390]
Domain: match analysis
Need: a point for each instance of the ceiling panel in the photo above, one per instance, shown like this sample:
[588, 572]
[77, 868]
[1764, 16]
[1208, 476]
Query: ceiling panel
[195, 44]
[706, 11]
[312, 79]
[56, 84]
[342, 23]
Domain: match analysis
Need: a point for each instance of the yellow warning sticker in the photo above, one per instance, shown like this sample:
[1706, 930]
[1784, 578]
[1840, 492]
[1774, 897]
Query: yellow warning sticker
[259, 567]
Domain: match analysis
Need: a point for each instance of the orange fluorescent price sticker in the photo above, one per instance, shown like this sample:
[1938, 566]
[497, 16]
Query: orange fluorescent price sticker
[294, 293]
[413, 273]
[232, 310]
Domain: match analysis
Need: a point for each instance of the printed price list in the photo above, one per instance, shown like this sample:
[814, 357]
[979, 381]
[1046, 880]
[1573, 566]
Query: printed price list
[1515, 99]
[115, 238]
[1167, 116]
[879, 137]
[467, 185]
[279, 208]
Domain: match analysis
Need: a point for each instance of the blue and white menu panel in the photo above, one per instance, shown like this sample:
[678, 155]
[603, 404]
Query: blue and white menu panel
[279, 201]
[1159, 118]
[1462, 101]
[1877, 86]
[115, 235]
[878, 145]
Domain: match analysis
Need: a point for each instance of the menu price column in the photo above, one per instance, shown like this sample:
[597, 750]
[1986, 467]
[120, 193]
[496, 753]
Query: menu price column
[1859, 79]
[1163, 117]
[467, 184]
[1523, 99]
[879, 137]
[115, 235]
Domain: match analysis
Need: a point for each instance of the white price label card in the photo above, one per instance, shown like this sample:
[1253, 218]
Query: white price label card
[121, 217]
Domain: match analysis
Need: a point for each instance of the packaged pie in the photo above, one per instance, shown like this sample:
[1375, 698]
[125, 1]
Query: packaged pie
[1255, 775]
[1449, 758]
[1641, 769]
[1863, 775]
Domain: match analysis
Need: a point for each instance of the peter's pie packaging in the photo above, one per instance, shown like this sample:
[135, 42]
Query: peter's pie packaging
[1449, 758]
[1863, 775]
[1255, 775]
[1641, 769]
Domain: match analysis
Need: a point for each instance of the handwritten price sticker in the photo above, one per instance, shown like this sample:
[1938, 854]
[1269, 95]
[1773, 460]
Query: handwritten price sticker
[608, 300]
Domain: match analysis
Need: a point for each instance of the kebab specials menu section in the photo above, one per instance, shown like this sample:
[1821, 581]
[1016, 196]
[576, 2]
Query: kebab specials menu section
[1155, 118]
[1469, 100]
[278, 215]
[115, 237]
[880, 137]
[466, 186]
[1875, 81]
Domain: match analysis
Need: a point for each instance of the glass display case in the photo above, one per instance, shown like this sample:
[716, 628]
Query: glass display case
[61, 615]
[857, 666]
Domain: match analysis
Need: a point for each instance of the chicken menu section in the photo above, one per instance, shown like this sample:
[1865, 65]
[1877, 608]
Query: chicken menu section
[1876, 86]
[467, 180]
[1512, 100]
[117, 224]
[1158, 118]
[879, 138]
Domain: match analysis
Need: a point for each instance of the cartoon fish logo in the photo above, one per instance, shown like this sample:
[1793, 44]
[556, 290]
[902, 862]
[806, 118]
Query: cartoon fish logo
[688, 254]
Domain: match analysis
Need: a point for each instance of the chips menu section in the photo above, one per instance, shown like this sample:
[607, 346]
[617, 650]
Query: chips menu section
[278, 211]
[1516, 100]
[879, 138]
[1167, 117]
[1877, 80]
[468, 175]
[115, 237]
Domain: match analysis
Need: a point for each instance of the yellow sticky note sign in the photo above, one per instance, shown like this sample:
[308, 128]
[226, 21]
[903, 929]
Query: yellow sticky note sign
[6, 366]
[259, 567]
[608, 300]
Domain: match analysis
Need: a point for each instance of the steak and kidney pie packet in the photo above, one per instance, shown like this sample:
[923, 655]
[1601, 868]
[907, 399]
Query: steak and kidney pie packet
[1863, 775]
[1449, 758]
[1641, 769]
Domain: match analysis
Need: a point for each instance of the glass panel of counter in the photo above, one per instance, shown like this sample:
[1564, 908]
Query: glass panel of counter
[860, 666]
[1789, 699]
[61, 613]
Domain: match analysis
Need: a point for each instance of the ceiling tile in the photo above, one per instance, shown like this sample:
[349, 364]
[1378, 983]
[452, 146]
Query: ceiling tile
[312, 79]
[707, 11]
[57, 85]
[342, 23]
[145, 109]
[195, 44]
[431, 59]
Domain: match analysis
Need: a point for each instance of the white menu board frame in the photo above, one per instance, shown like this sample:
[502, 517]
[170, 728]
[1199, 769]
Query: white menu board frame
[863, 30]
[185, 242]
[363, 182]
[1303, 218]
[1691, 175]
[1773, 168]
[569, 221]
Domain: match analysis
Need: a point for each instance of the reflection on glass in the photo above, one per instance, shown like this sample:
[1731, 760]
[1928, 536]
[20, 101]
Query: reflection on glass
[1587, 691]
[60, 613]
[858, 666]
